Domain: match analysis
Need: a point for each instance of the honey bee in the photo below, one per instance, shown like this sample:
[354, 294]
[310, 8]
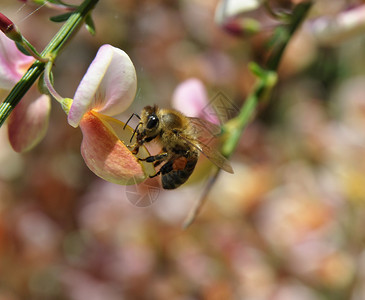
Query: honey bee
[182, 139]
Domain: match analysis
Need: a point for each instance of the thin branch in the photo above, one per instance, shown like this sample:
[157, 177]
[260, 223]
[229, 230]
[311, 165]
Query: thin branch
[66, 32]
[266, 81]
[199, 204]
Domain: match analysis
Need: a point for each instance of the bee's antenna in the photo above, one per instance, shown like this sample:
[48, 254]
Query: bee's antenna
[135, 130]
[134, 114]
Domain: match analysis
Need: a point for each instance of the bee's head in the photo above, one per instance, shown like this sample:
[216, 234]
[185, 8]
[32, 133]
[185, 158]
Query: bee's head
[149, 123]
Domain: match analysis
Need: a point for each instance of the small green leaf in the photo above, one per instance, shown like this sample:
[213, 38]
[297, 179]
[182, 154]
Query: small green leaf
[61, 18]
[267, 77]
[89, 23]
[39, 2]
[55, 1]
[256, 69]
[58, 2]
[22, 49]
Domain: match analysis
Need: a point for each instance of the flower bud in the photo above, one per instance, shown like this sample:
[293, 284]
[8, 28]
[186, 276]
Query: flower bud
[8, 27]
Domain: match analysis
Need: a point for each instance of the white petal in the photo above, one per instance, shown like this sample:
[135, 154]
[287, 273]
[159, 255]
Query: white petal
[108, 87]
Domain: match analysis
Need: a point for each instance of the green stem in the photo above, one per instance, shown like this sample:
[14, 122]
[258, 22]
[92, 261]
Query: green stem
[297, 17]
[267, 80]
[265, 84]
[52, 50]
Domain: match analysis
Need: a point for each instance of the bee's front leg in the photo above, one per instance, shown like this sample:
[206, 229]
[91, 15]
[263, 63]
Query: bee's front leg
[134, 148]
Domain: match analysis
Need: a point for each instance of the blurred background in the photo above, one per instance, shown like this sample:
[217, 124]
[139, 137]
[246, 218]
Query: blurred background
[289, 224]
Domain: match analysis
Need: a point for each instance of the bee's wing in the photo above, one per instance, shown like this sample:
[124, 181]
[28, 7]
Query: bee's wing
[204, 128]
[206, 133]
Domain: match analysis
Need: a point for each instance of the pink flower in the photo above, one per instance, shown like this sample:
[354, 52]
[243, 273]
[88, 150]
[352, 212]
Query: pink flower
[107, 89]
[191, 98]
[28, 122]
[333, 30]
[13, 63]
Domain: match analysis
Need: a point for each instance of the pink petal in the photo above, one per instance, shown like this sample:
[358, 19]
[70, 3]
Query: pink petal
[106, 155]
[28, 123]
[190, 97]
[13, 63]
[109, 85]
[124, 134]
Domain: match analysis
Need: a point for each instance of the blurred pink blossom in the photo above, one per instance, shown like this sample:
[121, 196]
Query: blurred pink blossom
[333, 30]
[13, 63]
[28, 122]
[191, 98]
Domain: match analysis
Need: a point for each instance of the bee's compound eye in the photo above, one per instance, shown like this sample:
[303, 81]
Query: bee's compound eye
[152, 121]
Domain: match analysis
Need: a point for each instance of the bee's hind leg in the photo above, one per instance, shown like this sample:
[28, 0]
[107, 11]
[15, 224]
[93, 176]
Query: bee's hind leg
[166, 168]
[155, 158]
[157, 163]
[158, 173]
